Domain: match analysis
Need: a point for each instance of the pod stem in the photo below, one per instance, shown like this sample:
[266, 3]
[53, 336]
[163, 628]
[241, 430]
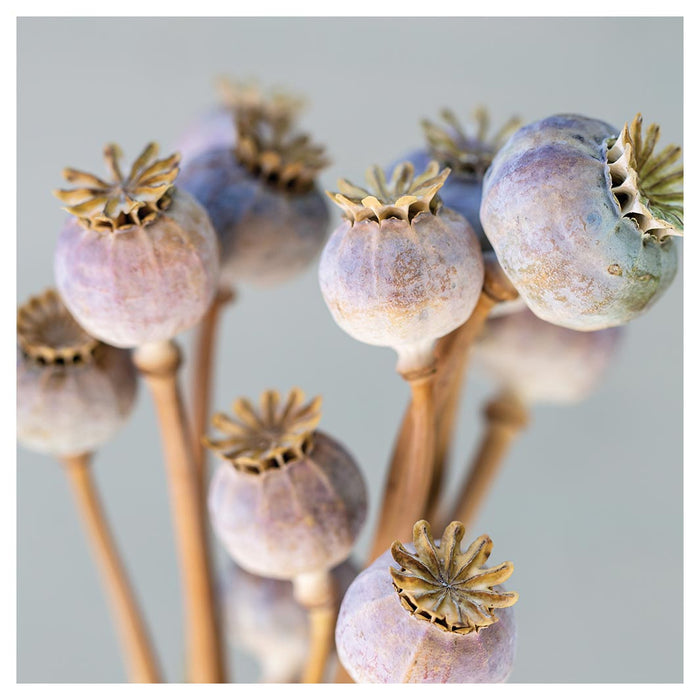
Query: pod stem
[201, 378]
[317, 593]
[506, 416]
[158, 362]
[410, 473]
[142, 666]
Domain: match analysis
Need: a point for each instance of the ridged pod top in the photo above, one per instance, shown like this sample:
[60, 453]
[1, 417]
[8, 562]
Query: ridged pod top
[269, 437]
[463, 153]
[448, 587]
[49, 335]
[648, 187]
[268, 148]
[403, 197]
[122, 202]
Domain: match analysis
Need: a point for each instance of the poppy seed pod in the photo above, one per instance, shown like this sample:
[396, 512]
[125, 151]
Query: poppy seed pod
[261, 197]
[139, 262]
[541, 362]
[582, 218]
[401, 270]
[288, 499]
[433, 619]
[73, 392]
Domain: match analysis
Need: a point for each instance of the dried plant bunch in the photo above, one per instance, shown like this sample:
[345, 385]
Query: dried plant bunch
[287, 499]
[543, 363]
[73, 391]
[440, 617]
[216, 129]
[582, 217]
[264, 618]
[401, 270]
[261, 196]
[138, 261]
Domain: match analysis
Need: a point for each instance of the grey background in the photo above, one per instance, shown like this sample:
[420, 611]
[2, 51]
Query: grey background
[589, 504]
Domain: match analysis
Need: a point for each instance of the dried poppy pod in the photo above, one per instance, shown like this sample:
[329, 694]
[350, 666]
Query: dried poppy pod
[401, 270]
[215, 129]
[541, 362]
[73, 391]
[139, 261]
[288, 499]
[264, 618]
[262, 199]
[433, 619]
[582, 217]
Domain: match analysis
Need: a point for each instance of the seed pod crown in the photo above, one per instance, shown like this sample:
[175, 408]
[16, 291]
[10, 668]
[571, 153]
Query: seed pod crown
[268, 148]
[403, 197]
[463, 153]
[267, 438]
[49, 335]
[124, 201]
[647, 187]
[450, 588]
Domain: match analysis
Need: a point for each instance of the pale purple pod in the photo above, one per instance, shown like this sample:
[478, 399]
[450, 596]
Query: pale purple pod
[211, 130]
[541, 362]
[268, 235]
[146, 283]
[397, 283]
[302, 517]
[559, 230]
[379, 641]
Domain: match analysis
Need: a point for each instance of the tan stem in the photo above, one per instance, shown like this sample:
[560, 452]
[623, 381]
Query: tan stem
[202, 370]
[317, 593]
[158, 363]
[506, 416]
[410, 473]
[136, 645]
[342, 676]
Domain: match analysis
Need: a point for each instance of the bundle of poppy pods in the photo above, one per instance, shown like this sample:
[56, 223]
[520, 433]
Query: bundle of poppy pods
[525, 252]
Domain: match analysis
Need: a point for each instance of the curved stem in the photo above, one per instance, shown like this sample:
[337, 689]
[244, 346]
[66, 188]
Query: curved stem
[158, 363]
[506, 416]
[317, 593]
[135, 641]
[410, 474]
[201, 378]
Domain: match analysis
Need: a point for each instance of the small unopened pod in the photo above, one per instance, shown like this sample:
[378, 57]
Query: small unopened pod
[216, 129]
[429, 613]
[262, 198]
[582, 217]
[287, 499]
[138, 261]
[73, 391]
[543, 363]
[264, 618]
[401, 270]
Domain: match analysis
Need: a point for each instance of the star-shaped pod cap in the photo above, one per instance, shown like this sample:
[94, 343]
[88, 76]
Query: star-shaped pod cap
[448, 587]
[268, 437]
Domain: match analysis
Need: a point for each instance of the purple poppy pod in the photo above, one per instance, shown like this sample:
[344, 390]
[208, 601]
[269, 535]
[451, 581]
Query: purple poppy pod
[261, 196]
[287, 500]
[139, 262]
[215, 129]
[401, 270]
[73, 391]
[582, 218]
[543, 363]
[433, 619]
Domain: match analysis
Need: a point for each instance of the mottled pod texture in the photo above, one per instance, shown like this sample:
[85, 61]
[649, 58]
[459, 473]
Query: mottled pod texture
[550, 214]
[541, 362]
[379, 641]
[268, 235]
[300, 518]
[66, 410]
[397, 283]
[145, 284]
